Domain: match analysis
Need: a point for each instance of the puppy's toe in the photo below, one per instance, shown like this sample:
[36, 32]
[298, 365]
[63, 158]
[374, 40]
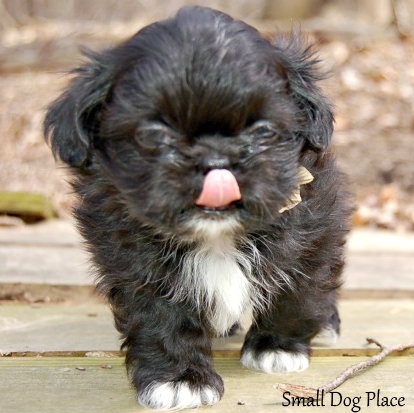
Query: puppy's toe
[177, 396]
[275, 361]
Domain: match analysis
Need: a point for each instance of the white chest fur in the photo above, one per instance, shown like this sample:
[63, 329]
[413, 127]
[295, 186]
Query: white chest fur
[219, 277]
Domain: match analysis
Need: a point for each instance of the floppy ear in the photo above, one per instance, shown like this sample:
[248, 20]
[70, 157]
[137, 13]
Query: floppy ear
[316, 123]
[71, 119]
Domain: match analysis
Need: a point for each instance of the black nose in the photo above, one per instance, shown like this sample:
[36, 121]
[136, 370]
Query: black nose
[215, 161]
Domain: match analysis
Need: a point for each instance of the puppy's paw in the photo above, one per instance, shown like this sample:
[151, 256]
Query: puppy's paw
[177, 395]
[275, 361]
[326, 337]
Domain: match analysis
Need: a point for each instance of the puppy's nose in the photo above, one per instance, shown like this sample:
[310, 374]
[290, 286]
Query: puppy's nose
[215, 161]
[220, 189]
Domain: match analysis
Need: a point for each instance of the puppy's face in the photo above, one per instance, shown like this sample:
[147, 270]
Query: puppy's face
[196, 120]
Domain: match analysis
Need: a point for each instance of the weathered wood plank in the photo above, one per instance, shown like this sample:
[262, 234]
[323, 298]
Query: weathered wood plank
[48, 385]
[380, 271]
[61, 265]
[89, 327]
[57, 328]
[43, 265]
[63, 232]
[50, 253]
[54, 232]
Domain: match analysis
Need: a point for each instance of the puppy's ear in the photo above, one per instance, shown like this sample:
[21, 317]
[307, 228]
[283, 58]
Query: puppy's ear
[71, 119]
[300, 65]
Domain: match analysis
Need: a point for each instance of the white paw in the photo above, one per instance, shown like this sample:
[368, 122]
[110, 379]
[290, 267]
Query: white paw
[275, 361]
[177, 396]
[326, 337]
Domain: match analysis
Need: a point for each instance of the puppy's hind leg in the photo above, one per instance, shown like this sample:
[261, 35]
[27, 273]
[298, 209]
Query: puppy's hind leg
[279, 340]
[328, 335]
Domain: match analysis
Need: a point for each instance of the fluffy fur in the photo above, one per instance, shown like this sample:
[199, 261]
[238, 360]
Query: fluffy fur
[140, 125]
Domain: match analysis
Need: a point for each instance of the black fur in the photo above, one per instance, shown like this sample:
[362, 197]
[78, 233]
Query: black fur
[141, 124]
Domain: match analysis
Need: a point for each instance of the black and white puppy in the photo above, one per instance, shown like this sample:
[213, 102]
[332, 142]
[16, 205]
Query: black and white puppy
[199, 151]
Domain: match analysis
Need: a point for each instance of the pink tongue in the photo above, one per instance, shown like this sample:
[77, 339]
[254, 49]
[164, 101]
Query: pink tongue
[220, 188]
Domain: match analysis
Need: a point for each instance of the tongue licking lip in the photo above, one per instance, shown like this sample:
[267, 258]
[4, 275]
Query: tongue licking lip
[220, 189]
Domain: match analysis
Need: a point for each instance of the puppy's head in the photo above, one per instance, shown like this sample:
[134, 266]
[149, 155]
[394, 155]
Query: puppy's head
[197, 121]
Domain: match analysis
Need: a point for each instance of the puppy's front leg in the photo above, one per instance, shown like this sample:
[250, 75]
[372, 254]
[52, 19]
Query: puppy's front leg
[168, 355]
[279, 340]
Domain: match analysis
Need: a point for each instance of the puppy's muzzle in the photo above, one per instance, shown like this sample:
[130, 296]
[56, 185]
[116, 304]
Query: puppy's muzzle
[220, 190]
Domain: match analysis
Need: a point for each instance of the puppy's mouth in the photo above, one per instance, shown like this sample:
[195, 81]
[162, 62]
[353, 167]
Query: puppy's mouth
[220, 192]
[221, 209]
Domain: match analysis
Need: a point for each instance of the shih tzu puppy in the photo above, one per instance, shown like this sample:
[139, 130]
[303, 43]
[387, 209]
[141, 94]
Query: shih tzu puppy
[199, 154]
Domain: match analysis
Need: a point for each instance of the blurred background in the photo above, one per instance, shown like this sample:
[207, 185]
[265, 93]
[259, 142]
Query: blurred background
[367, 45]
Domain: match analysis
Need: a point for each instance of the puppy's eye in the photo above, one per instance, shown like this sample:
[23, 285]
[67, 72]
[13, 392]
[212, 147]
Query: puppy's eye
[152, 137]
[263, 133]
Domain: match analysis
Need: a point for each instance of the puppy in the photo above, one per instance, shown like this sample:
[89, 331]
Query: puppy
[199, 153]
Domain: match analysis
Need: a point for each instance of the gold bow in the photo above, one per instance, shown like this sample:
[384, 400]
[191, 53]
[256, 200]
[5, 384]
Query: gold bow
[304, 177]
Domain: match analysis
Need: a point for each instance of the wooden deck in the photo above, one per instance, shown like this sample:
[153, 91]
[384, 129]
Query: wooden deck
[60, 351]
[88, 385]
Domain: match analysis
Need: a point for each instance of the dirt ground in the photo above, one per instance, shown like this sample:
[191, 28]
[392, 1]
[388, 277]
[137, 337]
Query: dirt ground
[372, 87]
